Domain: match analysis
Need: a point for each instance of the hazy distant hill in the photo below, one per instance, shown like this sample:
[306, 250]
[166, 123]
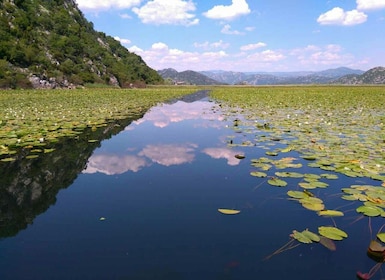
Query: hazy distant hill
[373, 76]
[50, 44]
[263, 78]
[186, 77]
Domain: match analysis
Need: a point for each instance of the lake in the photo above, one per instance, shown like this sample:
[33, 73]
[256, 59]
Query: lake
[142, 200]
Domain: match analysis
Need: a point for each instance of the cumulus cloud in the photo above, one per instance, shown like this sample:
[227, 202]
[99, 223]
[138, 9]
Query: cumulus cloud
[266, 56]
[328, 55]
[123, 41]
[366, 5]
[215, 45]
[236, 9]
[172, 12]
[99, 5]
[160, 56]
[250, 47]
[337, 16]
[227, 30]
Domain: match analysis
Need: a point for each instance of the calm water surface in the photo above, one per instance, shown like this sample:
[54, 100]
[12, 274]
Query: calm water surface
[145, 207]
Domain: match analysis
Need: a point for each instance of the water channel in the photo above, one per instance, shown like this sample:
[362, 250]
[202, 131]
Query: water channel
[142, 203]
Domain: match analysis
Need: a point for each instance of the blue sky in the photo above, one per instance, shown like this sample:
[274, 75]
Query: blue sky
[246, 35]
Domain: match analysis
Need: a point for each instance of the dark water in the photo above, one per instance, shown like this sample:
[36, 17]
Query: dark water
[145, 207]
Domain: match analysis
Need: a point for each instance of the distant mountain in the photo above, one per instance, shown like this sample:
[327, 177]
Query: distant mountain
[373, 76]
[186, 77]
[48, 44]
[274, 78]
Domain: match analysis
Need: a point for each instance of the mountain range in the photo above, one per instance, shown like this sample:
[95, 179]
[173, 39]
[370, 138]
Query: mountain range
[341, 75]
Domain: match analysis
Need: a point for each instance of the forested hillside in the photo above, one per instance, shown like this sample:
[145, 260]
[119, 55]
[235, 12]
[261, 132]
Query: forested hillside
[45, 43]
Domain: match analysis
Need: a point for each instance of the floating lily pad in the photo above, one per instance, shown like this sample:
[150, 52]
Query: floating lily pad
[371, 211]
[228, 211]
[277, 182]
[332, 233]
[305, 236]
[297, 194]
[289, 174]
[313, 206]
[330, 213]
[329, 176]
[381, 236]
[311, 235]
[258, 174]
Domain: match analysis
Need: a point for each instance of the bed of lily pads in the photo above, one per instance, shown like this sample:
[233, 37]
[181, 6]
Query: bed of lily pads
[36, 119]
[337, 130]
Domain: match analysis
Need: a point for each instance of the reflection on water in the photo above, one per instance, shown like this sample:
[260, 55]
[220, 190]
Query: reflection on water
[143, 205]
[29, 186]
[177, 149]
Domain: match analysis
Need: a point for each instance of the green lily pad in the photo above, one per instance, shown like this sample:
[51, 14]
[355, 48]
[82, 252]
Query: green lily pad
[329, 176]
[289, 174]
[305, 236]
[277, 182]
[332, 233]
[313, 206]
[330, 213]
[311, 235]
[381, 236]
[297, 194]
[258, 174]
[370, 211]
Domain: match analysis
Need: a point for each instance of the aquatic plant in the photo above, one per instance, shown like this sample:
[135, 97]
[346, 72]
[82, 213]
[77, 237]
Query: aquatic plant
[32, 119]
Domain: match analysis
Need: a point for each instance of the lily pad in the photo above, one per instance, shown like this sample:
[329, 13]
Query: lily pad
[311, 235]
[381, 236]
[370, 211]
[277, 182]
[332, 233]
[297, 194]
[330, 213]
[289, 174]
[305, 236]
[228, 211]
[258, 174]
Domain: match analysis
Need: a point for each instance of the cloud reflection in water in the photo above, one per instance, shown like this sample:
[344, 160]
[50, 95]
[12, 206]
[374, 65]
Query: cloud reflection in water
[166, 154]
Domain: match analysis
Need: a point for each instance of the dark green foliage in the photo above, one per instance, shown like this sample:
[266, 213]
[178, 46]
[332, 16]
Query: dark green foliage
[52, 39]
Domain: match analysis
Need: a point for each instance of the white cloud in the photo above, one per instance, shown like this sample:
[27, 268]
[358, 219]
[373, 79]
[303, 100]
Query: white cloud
[160, 56]
[110, 164]
[250, 47]
[236, 9]
[99, 5]
[329, 55]
[135, 49]
[169, 154]
[225, 153]
[215, 45]
[366, 5]
[337, 16]
[266, 56]
[125, 16]
[227, 30]
[123, 41]
[173, 12]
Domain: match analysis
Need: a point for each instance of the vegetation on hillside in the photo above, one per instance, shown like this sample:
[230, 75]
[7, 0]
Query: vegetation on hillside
[51, 40]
